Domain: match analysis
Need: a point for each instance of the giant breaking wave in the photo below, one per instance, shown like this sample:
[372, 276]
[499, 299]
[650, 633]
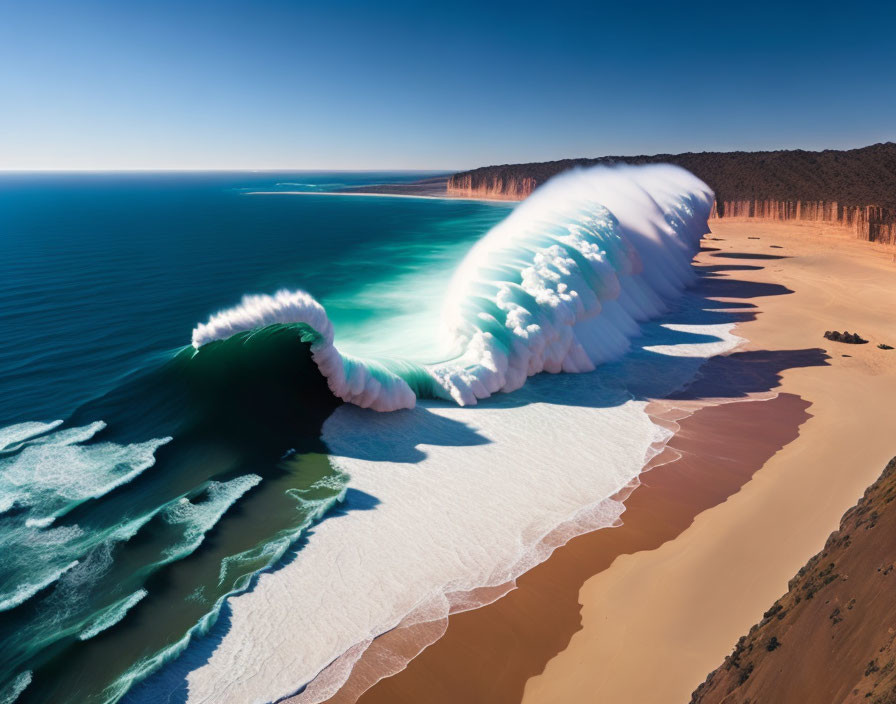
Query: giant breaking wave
[560, 285]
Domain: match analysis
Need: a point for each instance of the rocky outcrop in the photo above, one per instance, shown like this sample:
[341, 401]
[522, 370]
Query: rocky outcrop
[830, 638]
[850, 338]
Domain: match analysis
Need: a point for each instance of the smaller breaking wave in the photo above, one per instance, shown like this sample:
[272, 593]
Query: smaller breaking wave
[13, 435]
[197, 519]
[44, 474]
[112, 615]
[312, 503]
[51, 474]
[16, 687]
[25, 591]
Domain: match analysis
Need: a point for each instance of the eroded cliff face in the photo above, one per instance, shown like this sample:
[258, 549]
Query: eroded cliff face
[855, 188]
[869, 222]
[830, 638]
[494, 187]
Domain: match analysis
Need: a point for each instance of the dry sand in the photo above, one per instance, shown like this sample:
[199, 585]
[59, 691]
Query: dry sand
[642, 613]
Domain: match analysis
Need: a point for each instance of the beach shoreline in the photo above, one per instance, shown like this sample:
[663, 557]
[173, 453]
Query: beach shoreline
[561, 657]
[363, 194]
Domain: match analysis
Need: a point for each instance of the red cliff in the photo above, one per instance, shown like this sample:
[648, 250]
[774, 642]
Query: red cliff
[855, 188]
[869, 222]
[511, 188]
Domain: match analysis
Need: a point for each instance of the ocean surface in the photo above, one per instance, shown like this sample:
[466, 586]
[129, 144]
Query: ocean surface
[244, 432]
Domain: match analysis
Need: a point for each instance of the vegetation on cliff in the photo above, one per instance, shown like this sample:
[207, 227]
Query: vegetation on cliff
[830, 638]
[855, 187]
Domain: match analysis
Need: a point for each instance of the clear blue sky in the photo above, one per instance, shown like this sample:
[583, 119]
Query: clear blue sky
[346, 85]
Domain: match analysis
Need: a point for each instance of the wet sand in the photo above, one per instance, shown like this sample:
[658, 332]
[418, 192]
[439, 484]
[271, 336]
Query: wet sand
[641, 613]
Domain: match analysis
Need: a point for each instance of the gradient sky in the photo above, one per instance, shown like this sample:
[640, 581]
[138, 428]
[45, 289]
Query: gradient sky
[139, 84]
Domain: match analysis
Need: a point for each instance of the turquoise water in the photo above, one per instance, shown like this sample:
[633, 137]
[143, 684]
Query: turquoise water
[173, 477]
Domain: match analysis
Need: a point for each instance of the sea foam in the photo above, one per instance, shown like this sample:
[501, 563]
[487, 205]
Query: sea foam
[16, 687]
[51, 474]
[44, 473]
[112, 615]
[197, 518]
[13, 435]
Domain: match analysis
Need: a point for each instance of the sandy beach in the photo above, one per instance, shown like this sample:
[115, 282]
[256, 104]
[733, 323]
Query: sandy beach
[641, 613]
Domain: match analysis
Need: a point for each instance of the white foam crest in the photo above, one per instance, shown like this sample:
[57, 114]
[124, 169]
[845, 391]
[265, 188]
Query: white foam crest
[112, 615]
[16, 687]
[69, 436]
[29, 589]
[198, 518]
[69, 560]
[349, 379]
[14, 434]
[49, 475]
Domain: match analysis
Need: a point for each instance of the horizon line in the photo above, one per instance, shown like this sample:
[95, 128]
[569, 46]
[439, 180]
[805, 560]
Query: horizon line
[224, 170]
[124, 170]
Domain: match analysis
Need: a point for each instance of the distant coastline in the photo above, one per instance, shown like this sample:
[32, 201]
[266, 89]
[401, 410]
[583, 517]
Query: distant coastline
[434, 187]
[385, 191]
[853, 188]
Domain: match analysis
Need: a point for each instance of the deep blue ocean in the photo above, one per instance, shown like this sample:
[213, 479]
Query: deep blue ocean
[139, 485]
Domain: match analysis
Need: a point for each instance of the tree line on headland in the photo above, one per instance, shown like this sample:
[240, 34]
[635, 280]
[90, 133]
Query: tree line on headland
[854, 187]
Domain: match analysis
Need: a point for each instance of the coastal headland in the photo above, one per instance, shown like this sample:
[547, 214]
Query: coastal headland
[853, 188]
